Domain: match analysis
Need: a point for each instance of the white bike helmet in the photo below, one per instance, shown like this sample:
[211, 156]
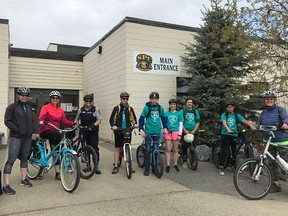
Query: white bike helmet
[188, 138]
[23, 91]
[269, 94]
[55, 93]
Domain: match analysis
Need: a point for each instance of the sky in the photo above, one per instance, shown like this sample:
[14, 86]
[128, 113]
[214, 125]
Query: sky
[33, 24]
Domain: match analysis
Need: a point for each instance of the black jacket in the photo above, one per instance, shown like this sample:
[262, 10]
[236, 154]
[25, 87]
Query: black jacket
[18, 121]
[116, 117]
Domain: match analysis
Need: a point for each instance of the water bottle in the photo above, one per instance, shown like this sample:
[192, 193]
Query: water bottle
[282, 162]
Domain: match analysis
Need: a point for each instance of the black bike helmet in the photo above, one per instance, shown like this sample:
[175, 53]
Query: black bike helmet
[55, 93]
[124, 94]
[172, 101]
[23, 91]
[88, 97]
[267, 94]
[230, 103]
[154, 95]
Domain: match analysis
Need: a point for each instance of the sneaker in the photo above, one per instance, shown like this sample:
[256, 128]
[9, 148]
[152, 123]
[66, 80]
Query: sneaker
[146, 173]
[115, 170]
[185, 165]
[176, 168]
[167, 169]
[98, 172]
[57, 177]
[275, 188]
[221, 171]
[8, 190]
[25, 183]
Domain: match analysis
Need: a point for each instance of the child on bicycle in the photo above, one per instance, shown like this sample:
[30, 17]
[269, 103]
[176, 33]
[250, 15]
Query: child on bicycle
[229, 120]
[175, 124]
[153, 113]
[122, 116]
[274, 115]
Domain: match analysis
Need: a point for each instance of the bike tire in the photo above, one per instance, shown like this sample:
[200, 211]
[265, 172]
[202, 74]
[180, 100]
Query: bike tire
[245, 183]
[33, 168]
[69, 172]
[88, 161]
[216, 151]
[158, 164]
[128, 162]
[193, 158]
[140, 155]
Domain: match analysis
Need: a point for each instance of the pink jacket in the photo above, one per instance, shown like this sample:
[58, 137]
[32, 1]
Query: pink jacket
[53, 115]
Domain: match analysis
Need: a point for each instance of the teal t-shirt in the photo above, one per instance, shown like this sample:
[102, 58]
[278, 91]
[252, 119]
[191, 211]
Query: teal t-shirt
[173, 119]
[124, 117]
[190, 120]
[153, 123]
[231, 122]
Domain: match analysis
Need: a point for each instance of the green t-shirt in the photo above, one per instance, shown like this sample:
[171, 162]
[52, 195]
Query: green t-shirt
[190, 120]
[173, 119]
[153, 122]
[231, 122]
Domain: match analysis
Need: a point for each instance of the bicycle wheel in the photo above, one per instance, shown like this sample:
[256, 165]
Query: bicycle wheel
[158, 164]
[252, 180]
[140, 152]
[34, 169]
[249, 153]
[128, 162]
[69, 172]
[88, 161]
[193, 158]
[216, 151]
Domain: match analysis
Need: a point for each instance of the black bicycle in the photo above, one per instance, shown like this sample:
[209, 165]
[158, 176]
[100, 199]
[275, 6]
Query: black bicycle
[240, 141]
[87, 156]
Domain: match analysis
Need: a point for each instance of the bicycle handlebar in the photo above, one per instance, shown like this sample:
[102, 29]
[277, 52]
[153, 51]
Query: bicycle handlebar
[62, 130]
[120, 129]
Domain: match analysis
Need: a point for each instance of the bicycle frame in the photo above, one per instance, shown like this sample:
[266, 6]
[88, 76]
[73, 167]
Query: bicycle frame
[155, 144]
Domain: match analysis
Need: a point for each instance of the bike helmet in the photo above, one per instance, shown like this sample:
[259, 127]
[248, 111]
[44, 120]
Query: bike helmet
[189, 138]
[269, 94]
[23, 91]
[88, 97]
[154, 95]
[55, 93]
[172, 101]
[124, 94]
[230, 103]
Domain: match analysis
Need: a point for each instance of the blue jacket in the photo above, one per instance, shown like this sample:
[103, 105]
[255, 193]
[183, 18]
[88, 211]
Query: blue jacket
[274, 116]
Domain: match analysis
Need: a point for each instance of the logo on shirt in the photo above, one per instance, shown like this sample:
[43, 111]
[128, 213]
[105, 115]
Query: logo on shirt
[190, 118]
[172, 120]
[154, 115]
[231, 122]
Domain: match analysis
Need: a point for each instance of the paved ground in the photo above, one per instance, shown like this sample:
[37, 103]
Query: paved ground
[201, 192]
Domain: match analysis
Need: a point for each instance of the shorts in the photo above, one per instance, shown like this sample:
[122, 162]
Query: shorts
[171, 135]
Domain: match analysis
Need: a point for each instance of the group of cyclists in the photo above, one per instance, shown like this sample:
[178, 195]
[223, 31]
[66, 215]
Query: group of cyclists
[173, 124]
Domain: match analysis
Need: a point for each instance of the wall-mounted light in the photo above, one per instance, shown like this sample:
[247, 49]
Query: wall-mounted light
[99, 49]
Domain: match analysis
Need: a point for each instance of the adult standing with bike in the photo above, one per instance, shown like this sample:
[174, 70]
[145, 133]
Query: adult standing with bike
[230, 120]
[191, 124]
[155, 118]
[52, 113]
[19, 119]
[274, 115]
[175, 125]
[90, 115]
[122, 116]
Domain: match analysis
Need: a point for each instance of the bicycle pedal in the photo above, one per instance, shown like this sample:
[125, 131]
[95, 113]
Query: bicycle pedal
[133, 171]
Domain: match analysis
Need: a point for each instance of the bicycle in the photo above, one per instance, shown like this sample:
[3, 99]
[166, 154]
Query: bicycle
[157, 161]
[253, 178]
[39, 161]
[126, 150]
[240, 141]
[87, 156]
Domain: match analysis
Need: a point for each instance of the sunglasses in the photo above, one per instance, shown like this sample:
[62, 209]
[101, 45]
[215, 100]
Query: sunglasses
[88, 101]
[55, 97]
[125, 98]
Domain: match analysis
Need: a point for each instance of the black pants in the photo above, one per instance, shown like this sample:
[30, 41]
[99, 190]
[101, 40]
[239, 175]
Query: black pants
[227, 142]
[92, 139]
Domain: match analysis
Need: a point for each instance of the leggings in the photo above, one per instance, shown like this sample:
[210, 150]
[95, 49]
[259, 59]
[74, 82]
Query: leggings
[18, 147]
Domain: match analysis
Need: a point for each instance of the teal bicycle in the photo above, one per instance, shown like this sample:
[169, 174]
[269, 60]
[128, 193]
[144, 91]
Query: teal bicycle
[40, 161]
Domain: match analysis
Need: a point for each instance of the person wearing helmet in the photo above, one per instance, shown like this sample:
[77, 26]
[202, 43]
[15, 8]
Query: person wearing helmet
[230, 120]
[151, 121]
[274, 115]
[52, 113]
[19, 119]
[175, 124]
[89, 115]
[191, 124]
[122, 116]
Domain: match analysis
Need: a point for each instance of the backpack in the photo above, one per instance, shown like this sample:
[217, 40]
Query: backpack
[119, 108]
[150, 109]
